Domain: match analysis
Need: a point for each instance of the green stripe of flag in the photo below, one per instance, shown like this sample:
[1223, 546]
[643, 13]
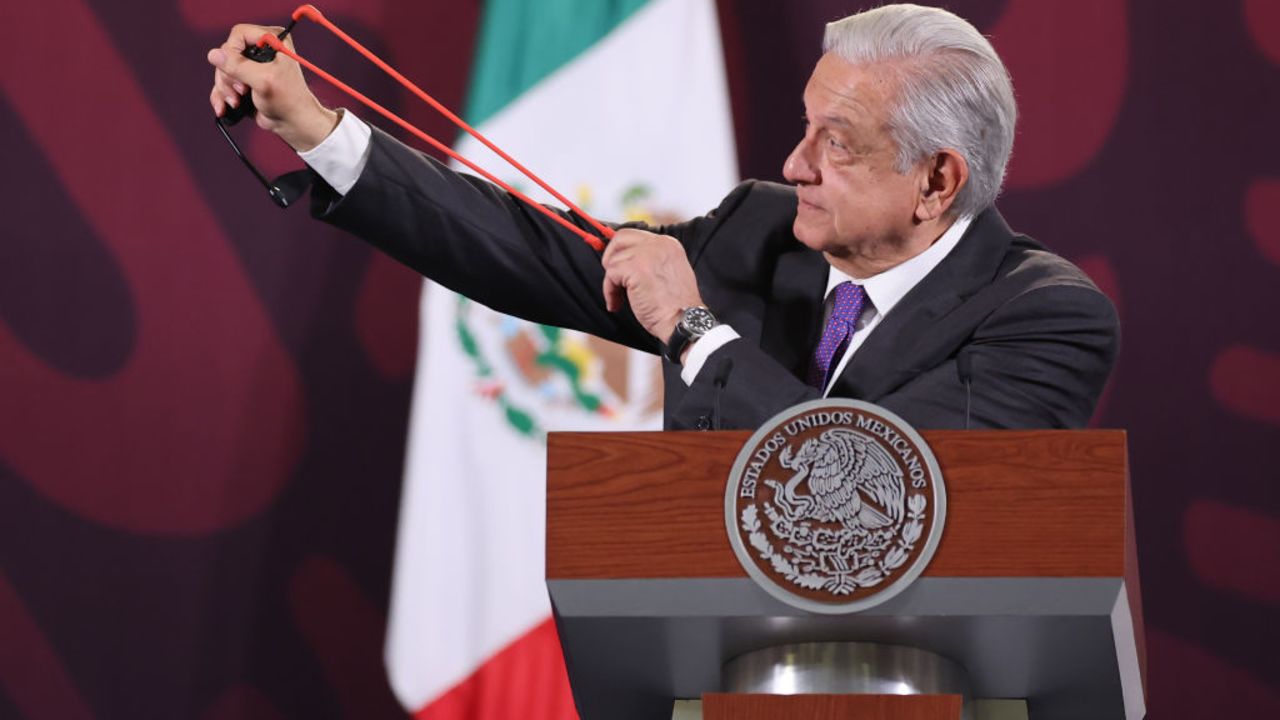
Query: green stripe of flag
[523, 41]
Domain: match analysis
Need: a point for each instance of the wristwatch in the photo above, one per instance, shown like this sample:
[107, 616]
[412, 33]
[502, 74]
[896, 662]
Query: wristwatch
[694, 322]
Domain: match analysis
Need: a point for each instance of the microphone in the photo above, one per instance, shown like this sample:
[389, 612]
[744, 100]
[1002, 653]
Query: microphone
[964, 368]
[720, 379]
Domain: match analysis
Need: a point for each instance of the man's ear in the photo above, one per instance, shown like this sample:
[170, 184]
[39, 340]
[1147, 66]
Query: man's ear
[944, 174]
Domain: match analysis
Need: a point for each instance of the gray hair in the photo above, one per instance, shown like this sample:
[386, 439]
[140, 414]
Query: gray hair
[953, 90]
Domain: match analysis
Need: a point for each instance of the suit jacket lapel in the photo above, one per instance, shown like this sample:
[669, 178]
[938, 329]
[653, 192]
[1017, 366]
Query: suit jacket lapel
[888, 358]
[794, 312]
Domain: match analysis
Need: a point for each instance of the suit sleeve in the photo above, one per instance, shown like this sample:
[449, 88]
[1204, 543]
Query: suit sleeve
[1040, 360]
[481, 242]
[740, 386]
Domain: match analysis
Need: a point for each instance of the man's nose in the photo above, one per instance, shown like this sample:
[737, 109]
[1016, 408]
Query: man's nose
[798, 169]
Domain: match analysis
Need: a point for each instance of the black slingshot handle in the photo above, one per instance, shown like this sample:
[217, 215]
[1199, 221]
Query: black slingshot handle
[245, 108]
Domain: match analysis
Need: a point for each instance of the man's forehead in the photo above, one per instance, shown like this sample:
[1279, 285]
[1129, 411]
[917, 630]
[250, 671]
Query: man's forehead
[839, 92]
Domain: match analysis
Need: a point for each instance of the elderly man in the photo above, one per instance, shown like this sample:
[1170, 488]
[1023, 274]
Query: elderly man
[885, 274]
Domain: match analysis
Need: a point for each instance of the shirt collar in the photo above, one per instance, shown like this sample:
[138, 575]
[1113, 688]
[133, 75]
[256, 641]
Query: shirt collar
[887, 288]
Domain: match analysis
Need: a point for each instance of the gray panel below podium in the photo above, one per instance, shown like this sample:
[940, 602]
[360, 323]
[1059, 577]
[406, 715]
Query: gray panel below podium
[634, 645]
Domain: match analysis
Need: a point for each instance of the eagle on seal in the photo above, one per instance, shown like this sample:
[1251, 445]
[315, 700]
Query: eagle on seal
[842, 471]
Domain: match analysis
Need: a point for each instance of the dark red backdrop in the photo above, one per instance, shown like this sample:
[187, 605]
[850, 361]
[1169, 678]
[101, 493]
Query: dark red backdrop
[203, 398]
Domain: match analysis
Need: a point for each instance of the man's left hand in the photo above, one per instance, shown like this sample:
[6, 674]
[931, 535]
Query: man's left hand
[653, 273]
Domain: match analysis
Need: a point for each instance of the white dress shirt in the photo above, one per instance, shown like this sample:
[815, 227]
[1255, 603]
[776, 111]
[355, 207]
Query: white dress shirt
[342, 156]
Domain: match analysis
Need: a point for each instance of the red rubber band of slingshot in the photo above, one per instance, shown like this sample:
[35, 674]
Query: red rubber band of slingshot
[311, 13]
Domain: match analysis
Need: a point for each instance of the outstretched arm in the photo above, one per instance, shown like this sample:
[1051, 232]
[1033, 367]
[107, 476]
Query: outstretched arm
[465, 234]
[477, 240]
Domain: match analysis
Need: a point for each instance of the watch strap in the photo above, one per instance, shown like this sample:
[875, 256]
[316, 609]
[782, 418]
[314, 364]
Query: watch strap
[676, 344]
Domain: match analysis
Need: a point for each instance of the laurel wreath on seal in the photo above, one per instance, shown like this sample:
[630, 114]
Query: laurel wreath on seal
[840, 583]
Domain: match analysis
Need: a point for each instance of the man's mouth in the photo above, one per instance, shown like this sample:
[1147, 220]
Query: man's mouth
[806, 204]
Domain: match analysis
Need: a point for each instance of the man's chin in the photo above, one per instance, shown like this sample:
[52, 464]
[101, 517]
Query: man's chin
[810, 236]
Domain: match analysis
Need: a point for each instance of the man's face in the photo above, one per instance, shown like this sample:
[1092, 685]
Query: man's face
[853, 203]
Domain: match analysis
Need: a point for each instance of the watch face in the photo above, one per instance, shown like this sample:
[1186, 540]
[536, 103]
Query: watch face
[698, 320]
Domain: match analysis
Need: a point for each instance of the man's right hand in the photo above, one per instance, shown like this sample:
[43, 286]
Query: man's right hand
[285, 104]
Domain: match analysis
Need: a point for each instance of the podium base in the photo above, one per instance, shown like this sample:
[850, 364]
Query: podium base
[845, 667]
[983, 709]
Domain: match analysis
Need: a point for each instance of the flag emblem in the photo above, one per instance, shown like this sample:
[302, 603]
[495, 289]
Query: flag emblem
[542, 376]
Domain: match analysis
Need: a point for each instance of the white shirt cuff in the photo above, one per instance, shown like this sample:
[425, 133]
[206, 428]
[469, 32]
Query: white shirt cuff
[716, 338]
[341, 157]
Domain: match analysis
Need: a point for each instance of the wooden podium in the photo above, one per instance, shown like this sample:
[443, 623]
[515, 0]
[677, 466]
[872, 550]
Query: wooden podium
[1033, 589]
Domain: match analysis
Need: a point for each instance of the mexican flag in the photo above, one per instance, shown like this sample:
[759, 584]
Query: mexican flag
[622, 106]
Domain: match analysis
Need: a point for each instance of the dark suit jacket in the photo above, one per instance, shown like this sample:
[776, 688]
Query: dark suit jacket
[1035, 337]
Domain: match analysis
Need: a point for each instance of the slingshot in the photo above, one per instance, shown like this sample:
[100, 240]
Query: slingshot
[288, 188]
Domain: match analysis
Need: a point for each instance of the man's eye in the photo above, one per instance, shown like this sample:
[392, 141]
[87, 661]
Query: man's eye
[835, 143]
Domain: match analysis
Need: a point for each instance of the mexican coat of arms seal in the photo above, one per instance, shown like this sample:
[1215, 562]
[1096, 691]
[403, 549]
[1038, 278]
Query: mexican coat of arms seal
[835, 505]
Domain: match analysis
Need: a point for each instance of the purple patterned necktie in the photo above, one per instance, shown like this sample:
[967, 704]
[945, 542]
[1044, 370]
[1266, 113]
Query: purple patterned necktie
[849, 301]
